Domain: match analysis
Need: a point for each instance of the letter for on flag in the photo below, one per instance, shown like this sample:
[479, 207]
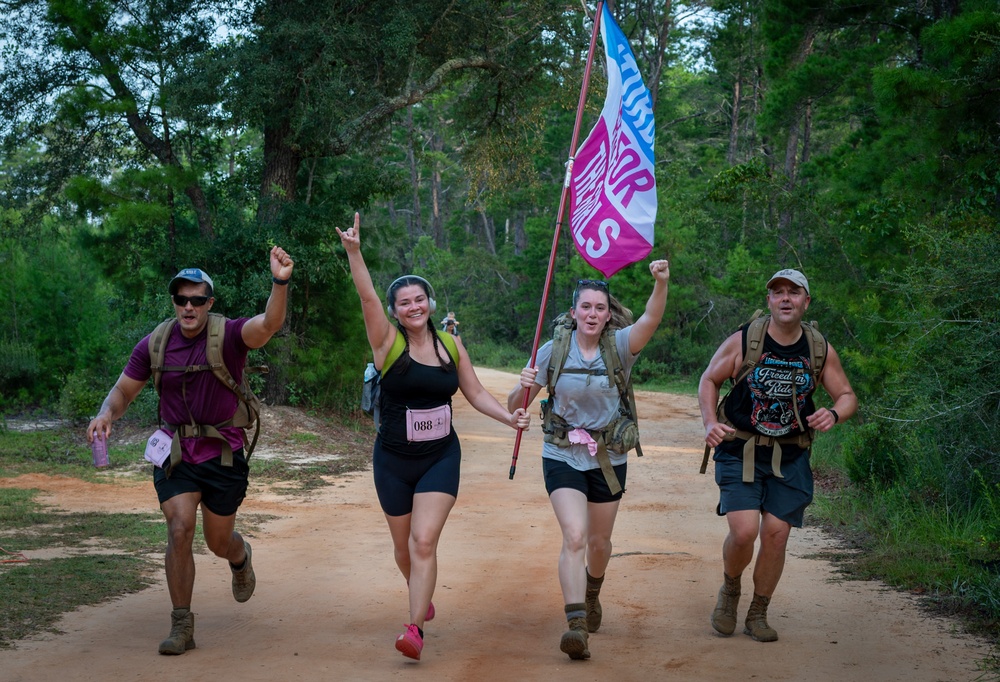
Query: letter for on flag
[612, 188]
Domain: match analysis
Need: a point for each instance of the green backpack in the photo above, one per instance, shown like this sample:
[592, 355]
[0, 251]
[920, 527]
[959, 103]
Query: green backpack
[248, 407]
[622, 434]
[371, 391]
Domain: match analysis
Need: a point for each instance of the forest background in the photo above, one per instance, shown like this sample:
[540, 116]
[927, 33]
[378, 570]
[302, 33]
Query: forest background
[857, 141]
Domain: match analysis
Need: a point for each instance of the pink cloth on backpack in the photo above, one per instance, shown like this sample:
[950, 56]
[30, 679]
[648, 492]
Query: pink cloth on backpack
[579, 436]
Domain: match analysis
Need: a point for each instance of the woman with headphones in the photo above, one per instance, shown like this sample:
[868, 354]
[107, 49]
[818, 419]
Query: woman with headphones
[417, 455]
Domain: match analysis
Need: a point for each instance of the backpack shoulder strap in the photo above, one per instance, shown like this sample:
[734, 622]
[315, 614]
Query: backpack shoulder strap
[609, 349]
[817, 348]
[213, 352]
[158, 349]
[561, 336]
[398, 346]
[756, 330]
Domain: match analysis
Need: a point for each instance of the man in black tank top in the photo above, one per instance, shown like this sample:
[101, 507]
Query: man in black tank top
[771, 418]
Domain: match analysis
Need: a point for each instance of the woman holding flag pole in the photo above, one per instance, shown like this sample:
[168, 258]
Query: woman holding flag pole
[586, 401]
[611, 187]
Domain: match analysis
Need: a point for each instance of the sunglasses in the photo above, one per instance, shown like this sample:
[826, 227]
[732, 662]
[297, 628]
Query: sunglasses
[196, 301]
[599, 283]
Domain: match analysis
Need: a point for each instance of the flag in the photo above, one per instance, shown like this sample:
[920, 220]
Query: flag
[612, 187]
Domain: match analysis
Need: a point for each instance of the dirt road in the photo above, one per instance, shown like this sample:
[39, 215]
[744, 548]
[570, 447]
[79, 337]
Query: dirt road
[329, 600]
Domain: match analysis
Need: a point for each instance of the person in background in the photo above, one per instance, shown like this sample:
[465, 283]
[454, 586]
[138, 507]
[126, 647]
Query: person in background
[450, 324]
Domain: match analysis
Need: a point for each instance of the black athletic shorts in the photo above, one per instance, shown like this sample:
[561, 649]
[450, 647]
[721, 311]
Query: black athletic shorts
[222, 488]
[591, 483]
[786, 497]
[398, 477]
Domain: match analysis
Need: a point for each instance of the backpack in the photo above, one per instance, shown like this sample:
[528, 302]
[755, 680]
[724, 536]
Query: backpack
[756, 330]
[247, 410]
[622, 434]
[371, 390]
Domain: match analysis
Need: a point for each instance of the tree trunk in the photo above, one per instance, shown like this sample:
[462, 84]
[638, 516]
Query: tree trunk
[437, 222]
[734, 124]
[281, 169]
[411, 157]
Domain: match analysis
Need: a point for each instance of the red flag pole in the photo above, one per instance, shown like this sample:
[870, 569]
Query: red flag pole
[559, 216]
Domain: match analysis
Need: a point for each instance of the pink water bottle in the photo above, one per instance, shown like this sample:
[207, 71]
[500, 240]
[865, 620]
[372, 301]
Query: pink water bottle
[99, 449]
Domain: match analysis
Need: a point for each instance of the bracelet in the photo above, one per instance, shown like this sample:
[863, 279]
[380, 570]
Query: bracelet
[282, 282]
[836, 417]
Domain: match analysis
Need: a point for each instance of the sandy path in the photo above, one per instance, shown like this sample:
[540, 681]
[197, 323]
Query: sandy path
[329, 600]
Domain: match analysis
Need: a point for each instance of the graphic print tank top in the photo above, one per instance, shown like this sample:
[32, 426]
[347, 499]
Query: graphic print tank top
[762, 402]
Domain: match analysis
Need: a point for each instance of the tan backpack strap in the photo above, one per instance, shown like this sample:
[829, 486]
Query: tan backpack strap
[817, 348]
[756, 330]
[606, 468]
[158, 348]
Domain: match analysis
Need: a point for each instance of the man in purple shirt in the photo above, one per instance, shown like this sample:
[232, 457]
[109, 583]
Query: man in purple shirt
[200, 478]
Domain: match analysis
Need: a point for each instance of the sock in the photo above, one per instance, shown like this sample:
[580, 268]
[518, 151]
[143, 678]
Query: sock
[575, 611]
[592, 581]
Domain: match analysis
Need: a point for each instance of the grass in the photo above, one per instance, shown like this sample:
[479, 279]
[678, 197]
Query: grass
[942, 550]
[37, 594]
[102, 556]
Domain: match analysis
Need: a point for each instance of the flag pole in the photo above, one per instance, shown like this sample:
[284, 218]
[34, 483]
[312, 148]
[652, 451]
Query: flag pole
[559, 216]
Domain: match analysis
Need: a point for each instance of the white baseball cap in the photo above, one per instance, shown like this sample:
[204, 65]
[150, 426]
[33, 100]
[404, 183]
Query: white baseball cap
[793, 276]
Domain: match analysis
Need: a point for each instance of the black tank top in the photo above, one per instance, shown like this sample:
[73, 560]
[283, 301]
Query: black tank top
[762, 403]
[419, 388]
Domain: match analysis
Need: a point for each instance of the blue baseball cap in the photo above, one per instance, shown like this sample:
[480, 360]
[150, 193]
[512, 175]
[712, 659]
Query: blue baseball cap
[195, 275]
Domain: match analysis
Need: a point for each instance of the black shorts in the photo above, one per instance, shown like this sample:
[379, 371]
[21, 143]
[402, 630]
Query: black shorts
[222, 488]
[786, 497]
[398, 477]
[591, 482]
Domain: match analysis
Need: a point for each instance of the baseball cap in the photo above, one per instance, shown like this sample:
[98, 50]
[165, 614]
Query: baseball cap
[793, 276]
[195, 275]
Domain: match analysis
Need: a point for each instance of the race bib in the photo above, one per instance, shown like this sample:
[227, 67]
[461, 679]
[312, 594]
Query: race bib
[157, 448]
[430, 424]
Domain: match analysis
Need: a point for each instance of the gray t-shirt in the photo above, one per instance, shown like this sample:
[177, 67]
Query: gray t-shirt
[585, 401]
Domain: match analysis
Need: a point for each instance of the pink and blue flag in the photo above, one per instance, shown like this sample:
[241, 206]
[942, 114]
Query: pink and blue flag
[612, 187]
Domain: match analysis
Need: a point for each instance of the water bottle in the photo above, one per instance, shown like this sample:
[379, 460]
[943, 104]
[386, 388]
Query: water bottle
[99, 451]
[370, 371]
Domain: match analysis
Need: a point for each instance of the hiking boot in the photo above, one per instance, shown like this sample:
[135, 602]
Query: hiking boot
[181, 637]
[410, 643]
[575, 640]
[244, 580]
[724, 615]
[756, 623]
[593, 602]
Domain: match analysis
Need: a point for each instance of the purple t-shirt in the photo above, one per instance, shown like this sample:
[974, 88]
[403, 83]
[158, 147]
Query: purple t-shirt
[200, 395]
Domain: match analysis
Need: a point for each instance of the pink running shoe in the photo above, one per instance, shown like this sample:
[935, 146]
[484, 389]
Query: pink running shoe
[430, 612]
[410, 643]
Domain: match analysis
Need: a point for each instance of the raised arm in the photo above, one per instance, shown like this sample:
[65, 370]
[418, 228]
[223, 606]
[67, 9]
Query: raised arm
[381, 334]
[259, 329]
[645, 326]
